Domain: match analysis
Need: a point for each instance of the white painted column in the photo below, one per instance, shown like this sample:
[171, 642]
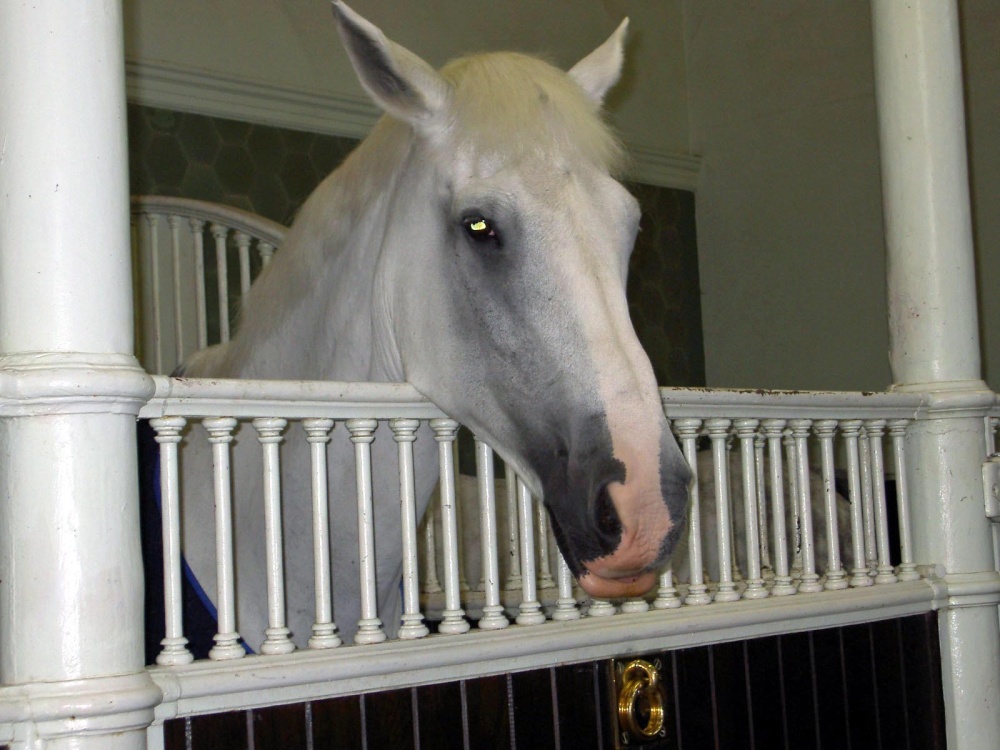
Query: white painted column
[71, 632]
[934, 343]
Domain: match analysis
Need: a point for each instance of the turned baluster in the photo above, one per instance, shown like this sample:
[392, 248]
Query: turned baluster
[227, 639]
[168, 435]
[404, 433]
[324, 630]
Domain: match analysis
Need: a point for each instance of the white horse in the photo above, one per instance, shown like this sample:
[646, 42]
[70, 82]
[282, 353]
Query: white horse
[475, 245]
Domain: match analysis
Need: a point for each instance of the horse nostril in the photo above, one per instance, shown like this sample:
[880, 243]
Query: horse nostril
[605, 515]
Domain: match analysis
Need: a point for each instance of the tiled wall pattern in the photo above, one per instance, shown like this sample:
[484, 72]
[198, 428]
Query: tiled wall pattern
[271, 171]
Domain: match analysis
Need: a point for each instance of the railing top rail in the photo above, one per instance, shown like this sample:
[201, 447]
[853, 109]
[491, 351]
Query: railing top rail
[293, 399]
[304, 398]
[243, 221]
[757, 403]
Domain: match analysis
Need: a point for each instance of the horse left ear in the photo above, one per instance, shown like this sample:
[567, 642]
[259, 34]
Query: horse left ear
[400, 82]
[600, 70]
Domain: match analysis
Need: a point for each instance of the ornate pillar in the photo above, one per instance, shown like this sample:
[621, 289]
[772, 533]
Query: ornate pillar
[71, 639]
[934, 343]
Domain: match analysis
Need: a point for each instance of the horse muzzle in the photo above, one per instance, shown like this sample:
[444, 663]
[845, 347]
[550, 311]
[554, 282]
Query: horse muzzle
[650, 524]
[617, 543]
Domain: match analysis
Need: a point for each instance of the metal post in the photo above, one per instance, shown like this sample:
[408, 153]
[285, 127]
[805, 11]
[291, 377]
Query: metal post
[934, 342]
[70, 566]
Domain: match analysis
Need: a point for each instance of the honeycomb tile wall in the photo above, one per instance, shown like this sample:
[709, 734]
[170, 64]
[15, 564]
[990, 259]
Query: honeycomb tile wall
[271, 171]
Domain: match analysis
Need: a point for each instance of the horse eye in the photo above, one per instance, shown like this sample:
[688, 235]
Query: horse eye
[479, 229]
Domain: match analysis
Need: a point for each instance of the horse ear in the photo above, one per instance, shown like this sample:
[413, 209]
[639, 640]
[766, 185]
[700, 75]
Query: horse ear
[600, 70]
[399, 81]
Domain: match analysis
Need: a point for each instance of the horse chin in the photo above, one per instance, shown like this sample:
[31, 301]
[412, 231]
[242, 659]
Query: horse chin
[617, 588]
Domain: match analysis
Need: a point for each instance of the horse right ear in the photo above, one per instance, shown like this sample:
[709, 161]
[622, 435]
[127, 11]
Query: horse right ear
[600, 70]
[400, 82]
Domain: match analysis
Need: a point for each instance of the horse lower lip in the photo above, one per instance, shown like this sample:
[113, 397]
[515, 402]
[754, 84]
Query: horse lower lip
[617, 588]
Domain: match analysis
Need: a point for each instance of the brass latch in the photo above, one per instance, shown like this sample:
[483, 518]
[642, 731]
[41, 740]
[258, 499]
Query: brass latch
[641, 704]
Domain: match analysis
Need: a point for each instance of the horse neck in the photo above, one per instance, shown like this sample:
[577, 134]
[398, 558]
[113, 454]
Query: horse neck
[312, 314]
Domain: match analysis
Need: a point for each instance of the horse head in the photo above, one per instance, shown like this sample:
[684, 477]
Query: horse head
[501, 297]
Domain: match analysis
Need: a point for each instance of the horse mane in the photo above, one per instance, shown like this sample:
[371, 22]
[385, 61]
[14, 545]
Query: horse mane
[515, 106]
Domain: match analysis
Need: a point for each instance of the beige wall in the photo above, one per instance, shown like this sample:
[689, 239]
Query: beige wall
[981, 36]
[789, 224]
[293, 44]
[791, 251]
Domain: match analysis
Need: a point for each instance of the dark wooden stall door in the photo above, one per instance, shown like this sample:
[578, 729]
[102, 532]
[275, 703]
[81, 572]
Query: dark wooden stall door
[863, 687]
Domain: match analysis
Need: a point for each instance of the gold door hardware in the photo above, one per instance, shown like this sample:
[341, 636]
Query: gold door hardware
[640, 703]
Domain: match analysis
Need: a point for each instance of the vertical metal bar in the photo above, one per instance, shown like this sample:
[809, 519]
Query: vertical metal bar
[168, 435]
[277, 635]
[545, 580]
[566, 608]
[175, 255]
[851, 429]
[453, 622]
[666, 592]
[324, 630]
[460, 504]
[718, 433]
[198, 236]
[773, 431]
[153, 220]
[836, 578]
[493, 617]
[687, 430]
[513, 582]
[907, 570]
[868, 501]
[431, 582]
[875, 429]
[243, 250]
[266, 252]
[362, 435]
[220, 232]
[530, 610]
[792, 462]
[404, 433]
[760, 468]
[220, 435]
[809, 581]
[746, 431]
[139, 316]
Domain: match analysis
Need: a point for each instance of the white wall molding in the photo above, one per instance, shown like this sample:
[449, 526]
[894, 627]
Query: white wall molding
[189, 90]
[185, 89]
[664, 168]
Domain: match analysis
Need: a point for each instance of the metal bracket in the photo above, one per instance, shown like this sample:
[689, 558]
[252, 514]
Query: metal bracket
[991, 486]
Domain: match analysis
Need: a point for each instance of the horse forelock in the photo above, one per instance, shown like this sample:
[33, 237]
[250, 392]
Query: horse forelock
[512, 106]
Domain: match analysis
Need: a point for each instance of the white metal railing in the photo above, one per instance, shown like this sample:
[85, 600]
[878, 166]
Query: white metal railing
[766, 520]
[183, 251]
